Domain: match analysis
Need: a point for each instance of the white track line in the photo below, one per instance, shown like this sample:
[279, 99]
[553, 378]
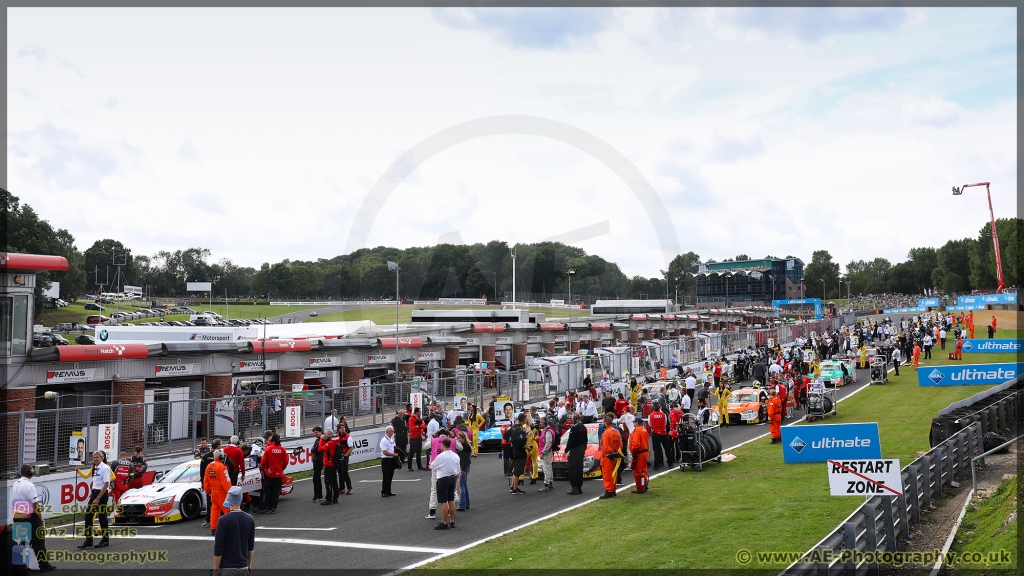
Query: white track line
[330, 543]
[281, 528]
[584, 503]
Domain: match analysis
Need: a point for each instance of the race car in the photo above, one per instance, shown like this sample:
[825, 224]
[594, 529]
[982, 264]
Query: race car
[178, 495]
[591, 458]
[490, 439]
[750, 406]
[832, 373]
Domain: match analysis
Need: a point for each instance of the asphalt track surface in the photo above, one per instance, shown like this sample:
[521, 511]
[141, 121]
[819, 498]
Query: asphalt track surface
[376, 535]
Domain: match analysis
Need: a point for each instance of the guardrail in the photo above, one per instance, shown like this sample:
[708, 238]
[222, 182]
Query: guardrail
[882, 521]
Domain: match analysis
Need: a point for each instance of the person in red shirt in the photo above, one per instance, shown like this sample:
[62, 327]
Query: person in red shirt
[674, 416]
[718, 372]
[272, 464]
[236, 470]
[620, 405]
[416, 430]
[660, 441]
[122, 475]
[328, 446]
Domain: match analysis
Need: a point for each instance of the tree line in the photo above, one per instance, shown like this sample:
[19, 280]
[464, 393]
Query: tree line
[478, 270]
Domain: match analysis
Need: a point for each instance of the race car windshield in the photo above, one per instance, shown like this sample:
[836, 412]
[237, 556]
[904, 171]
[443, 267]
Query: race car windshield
[592, 436]
[181, 475]
[742, 398]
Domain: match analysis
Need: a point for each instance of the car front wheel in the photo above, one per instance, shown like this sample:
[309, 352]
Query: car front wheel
[191, 505]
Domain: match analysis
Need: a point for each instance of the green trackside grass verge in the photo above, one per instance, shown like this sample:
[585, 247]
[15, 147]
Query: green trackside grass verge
[754, 503]
[990, 525]
[386, 315]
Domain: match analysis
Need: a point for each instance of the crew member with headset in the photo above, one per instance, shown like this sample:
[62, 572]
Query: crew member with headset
[25, 506]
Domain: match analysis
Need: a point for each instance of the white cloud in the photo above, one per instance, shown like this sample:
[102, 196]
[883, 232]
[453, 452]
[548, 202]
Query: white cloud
[930, 111]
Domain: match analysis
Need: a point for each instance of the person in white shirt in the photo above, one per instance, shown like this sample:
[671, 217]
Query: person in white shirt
[691, 386]
[589, 409]
[432, 427]
[98, 497]
[331, 422]
[942, 339]
[25, 507]
[388, 461]
[561, 409]
[606, 383]
[686, 403]
[448, 468]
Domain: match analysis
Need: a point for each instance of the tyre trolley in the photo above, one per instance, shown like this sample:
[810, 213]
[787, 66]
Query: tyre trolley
[698, 445]
[821, 401]
[879, 373]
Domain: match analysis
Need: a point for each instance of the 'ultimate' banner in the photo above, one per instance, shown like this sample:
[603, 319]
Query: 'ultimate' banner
[990, 346]
[967, 375]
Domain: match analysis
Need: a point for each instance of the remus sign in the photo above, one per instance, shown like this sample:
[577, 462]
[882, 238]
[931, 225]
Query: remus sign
[823, 442]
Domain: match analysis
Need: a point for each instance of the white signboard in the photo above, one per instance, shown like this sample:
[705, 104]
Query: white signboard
[53, 291]
[313, 374]
[472, 341]
[416, 399]
[524, 390]
[533, 339]
[380, 358]
[198, 286]
[502, 339]
[365, 394]
[133, 289]
[76, 448]
[561, 338]
[109, 440]
[558, 302]
[29, 440]
[256, 365]
[325, 361]
[430, 355]
[79, 375]
[636, 364]
[176, 369]
[865, 478]
[293, 422]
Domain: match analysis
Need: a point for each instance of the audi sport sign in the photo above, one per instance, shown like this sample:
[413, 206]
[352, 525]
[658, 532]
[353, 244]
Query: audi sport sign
[79, 375]
[176, 369]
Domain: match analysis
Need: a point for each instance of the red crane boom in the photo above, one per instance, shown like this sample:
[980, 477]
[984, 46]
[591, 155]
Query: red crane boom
[995, 235]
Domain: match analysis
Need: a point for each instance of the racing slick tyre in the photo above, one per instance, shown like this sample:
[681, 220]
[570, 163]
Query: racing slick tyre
[828, 404]
[709, 449]
[762, 415]
[191, 505]
[717, 443]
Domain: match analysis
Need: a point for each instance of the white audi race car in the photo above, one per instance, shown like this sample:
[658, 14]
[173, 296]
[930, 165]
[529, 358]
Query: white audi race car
[178, 495]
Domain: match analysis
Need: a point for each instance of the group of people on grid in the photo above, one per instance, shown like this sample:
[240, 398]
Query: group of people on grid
[221, 468]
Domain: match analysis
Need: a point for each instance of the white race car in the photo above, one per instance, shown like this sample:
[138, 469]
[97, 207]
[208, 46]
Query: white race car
[178, 495]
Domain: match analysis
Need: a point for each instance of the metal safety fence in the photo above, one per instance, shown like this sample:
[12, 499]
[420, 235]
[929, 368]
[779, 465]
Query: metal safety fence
[882, 522]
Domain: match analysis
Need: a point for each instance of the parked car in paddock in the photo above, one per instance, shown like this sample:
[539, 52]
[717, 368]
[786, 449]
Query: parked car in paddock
[96, 319]
[178, 495]
[94, 307]
[85, 339]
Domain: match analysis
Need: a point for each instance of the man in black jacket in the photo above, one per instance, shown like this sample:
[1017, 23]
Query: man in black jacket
[318, 465]
[401, 426]
[576, 446]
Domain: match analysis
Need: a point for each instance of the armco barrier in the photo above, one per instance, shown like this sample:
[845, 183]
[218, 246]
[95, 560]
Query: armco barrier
[883, 521]
[998, 409]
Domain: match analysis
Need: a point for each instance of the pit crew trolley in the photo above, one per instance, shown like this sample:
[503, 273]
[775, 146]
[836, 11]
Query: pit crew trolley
[820, 401]
[879, 373]
[698, 444]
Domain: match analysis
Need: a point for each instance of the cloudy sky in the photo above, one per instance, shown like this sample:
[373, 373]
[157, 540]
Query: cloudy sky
[260, 133]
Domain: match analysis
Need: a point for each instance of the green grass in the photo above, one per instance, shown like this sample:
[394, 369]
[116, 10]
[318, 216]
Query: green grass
[756, 502]
[988, 527]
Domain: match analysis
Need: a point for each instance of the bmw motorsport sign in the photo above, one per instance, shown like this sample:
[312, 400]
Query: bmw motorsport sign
[967, 375]
[823, 442]
[991, 346]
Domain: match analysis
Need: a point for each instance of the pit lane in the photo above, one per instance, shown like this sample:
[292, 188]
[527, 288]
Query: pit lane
[379, 535]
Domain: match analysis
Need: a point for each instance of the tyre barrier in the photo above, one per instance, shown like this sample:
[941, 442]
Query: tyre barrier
[998, 410]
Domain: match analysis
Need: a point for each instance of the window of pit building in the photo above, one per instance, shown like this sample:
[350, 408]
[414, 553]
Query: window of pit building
[14, 335]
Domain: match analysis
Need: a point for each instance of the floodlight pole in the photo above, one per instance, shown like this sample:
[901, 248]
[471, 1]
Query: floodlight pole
[995, 235]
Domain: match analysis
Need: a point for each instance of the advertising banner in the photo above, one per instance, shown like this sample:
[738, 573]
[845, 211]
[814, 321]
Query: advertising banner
[793, 301]
[430, 355]
[967, 375]
[978, 346]
[324, 361]
[79, 375]
[988, 299]
[256, 365]
[910, 310]
[198, 286]
[503, 409]
[380, 358]
[365, 394]
[293, 422]
[133, 289]
[927, 302]
[109, 440]
[966, 307]
[29, 440]
[823, 442]
[524, 390]
[416, 399]
[176, 369]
